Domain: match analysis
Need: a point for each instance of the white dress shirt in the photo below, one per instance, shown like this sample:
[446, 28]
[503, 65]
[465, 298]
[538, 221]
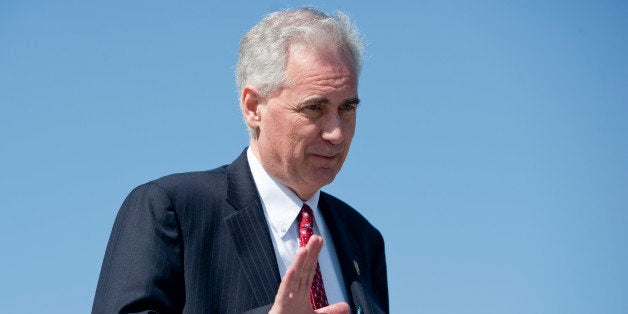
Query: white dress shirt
[281, 208]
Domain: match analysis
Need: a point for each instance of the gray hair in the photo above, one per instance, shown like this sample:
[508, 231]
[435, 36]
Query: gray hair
[264, 48]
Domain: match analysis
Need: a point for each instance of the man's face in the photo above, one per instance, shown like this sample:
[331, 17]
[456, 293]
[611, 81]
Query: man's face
[306, 129]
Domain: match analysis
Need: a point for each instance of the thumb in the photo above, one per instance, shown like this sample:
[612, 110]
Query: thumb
[336, 308]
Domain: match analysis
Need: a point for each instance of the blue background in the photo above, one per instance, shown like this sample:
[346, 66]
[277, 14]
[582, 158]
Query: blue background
[491, 147]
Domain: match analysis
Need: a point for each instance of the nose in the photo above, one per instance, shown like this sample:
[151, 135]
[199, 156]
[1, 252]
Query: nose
[332, 130]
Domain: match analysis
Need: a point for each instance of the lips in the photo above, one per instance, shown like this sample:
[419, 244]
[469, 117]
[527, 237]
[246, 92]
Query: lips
[326, 156]
[326, 160]
[328, 153]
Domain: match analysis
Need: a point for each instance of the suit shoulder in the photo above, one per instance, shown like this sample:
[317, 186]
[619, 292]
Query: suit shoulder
[209, 180]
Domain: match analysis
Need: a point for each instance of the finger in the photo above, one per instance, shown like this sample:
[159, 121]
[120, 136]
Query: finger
[336, 308]
[315, 244]
[293, 280]
[286, 285]
[300, 267]
[312, 248]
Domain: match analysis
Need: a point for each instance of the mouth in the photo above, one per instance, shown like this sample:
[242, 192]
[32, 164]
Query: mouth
[328, 157]
[330, 154]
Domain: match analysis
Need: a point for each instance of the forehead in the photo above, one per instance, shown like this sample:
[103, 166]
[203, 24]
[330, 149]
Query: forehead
[320, 66]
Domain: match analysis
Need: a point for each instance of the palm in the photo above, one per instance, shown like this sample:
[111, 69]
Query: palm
[293, 295]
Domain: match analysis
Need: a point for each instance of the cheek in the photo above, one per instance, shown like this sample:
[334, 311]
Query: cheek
[303, 133]
[349, 130]
[288, 141]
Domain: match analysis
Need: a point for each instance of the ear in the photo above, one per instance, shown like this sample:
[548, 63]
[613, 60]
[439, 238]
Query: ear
[250, 101]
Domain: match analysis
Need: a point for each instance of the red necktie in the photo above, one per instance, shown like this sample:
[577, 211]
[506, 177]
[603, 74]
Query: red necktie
[318, 298]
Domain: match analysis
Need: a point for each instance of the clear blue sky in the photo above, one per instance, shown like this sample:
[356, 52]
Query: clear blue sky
[491, 147]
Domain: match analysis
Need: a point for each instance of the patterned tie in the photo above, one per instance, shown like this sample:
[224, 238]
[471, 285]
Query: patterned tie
[318, 298]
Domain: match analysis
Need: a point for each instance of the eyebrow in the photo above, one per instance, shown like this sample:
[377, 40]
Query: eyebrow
[354, 101]
[322, 100]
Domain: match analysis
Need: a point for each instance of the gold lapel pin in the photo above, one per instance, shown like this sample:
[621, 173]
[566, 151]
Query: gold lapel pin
[357, 267]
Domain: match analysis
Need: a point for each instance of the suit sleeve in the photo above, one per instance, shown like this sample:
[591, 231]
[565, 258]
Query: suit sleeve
[142, 270]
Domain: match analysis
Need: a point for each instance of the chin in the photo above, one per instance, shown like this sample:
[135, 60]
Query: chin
[324, 176]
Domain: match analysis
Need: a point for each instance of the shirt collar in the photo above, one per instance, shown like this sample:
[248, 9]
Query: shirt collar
[281, 204]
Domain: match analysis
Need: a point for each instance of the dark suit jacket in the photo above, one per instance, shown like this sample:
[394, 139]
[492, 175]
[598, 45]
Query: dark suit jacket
[199, 243]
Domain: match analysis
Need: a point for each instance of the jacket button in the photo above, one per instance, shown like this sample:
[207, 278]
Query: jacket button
[360, 311]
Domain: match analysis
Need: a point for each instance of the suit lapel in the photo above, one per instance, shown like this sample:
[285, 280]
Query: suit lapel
[249, 231]
[349, 257]
[346, 247]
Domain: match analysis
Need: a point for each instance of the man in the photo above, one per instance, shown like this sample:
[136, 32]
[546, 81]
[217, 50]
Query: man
[237, 238]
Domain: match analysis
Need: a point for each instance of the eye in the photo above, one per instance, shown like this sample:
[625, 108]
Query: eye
[313, 107]
[313, 110]
[349, 107]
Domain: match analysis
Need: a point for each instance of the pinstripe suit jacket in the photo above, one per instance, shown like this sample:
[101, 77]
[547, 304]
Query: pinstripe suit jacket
[199, 243]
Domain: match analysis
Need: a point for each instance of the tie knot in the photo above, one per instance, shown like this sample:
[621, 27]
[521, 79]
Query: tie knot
[305, 211]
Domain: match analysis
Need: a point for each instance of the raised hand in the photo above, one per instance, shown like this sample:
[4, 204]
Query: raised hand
[293, 295]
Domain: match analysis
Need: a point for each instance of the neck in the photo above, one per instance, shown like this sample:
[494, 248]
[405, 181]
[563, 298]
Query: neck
[303, 195]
